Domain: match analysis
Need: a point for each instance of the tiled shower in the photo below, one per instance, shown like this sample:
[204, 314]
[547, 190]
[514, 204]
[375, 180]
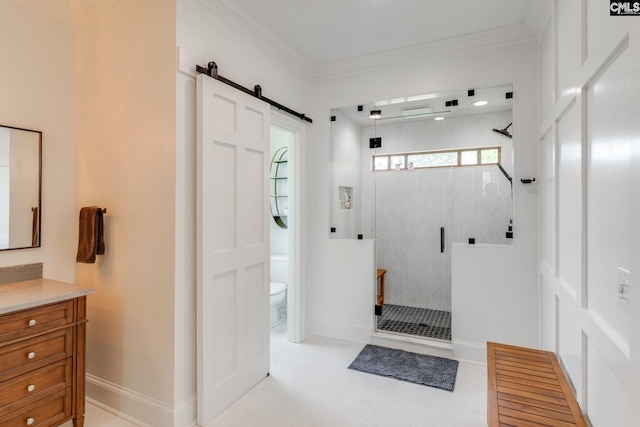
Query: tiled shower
[410, 211]
[417, 214]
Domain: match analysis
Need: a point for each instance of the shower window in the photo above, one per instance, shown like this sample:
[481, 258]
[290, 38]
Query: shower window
[490, 156]
[435, 159]
[381, 163]
[398, 162]
[469, 157]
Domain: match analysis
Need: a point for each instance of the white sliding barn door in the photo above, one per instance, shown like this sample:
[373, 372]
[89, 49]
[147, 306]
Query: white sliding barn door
[233, 244]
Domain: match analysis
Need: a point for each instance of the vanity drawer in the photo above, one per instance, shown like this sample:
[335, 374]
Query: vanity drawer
[42, 413]
[26, 322]
[23, 356]
[35, 385]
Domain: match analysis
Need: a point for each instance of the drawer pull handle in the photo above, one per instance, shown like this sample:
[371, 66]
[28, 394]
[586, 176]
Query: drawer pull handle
[31, 355]
[30, 421]
[31, 387]
[32, 322]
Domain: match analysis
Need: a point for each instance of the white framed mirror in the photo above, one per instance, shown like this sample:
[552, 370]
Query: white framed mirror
[20, 187]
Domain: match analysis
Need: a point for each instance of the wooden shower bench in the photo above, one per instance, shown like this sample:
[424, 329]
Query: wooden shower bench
[380, 296]
[527, 387]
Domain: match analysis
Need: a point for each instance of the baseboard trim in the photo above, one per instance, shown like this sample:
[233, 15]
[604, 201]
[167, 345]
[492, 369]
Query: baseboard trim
[110, 410]
[342, 331]
[470, 351]
[138, 408]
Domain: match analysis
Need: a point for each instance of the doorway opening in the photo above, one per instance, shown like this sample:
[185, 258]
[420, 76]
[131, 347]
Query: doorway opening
[285, 303]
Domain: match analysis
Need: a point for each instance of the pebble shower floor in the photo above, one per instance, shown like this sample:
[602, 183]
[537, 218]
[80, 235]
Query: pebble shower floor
[422, 322]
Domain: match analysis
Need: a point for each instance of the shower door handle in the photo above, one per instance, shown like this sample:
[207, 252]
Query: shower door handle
[441, 240]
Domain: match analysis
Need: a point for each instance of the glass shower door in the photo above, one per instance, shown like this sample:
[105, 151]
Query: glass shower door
[414, 235]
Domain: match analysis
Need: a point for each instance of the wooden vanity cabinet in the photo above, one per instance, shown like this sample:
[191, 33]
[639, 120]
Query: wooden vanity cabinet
[42, 365]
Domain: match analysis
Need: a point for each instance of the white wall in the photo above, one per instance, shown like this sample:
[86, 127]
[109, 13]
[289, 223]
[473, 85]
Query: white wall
[424, 73]
[126, 163]
[590, 157]
[37, 82]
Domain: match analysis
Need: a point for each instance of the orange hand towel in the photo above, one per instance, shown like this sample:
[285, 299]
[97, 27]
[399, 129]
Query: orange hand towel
[91, 235]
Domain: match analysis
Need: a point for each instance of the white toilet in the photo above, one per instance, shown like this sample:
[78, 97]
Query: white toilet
[278, 289]
[278, 303]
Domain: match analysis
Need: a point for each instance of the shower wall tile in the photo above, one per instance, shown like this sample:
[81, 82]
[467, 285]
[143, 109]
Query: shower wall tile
[404, 210]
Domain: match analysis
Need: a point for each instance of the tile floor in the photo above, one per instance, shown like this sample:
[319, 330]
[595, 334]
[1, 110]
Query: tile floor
[96, 417]
[310, 386]
[422, 322]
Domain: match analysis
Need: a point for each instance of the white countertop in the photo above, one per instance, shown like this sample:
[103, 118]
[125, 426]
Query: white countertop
[32, 293]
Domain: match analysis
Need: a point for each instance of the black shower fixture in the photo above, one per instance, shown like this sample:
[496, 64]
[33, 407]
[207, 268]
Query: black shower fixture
[504, 131]
[375, 114]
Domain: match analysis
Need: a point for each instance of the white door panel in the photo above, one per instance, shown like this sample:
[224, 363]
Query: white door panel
[233, 245]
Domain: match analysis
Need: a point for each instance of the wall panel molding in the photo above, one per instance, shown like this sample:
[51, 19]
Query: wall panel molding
[592, 69]
[620, 362]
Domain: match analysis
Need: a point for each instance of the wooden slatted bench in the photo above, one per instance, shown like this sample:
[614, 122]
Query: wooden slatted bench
[527, 387]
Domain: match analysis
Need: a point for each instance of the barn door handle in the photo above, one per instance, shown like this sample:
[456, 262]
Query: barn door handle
[441, 240]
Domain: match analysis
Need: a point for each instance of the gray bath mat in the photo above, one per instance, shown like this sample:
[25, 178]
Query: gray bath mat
[417, 368]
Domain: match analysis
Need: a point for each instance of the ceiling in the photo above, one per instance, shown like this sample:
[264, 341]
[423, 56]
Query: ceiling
[330, 31]
[326, 31]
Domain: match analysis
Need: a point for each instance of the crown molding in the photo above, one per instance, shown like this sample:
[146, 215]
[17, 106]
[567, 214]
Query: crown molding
[58, 10]
[465, 44]
[83, 10]
[73, 11]
[238, 16]
[539, 17]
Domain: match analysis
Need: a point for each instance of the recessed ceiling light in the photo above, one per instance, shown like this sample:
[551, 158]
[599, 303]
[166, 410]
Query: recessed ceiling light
[480, 103]
[439, 118]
